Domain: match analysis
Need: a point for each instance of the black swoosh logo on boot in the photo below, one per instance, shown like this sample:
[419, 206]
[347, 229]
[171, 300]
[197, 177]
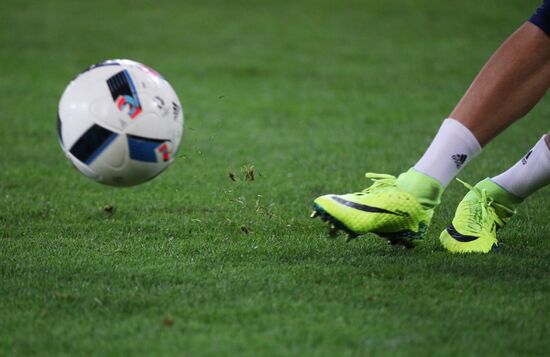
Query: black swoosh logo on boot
[362, 207]
[459, 236]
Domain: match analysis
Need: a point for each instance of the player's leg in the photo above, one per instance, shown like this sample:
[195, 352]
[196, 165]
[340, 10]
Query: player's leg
[508, 86]
[492, 202]
[514, 79]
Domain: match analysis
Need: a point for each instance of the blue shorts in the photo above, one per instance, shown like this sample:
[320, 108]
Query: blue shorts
[541, 17]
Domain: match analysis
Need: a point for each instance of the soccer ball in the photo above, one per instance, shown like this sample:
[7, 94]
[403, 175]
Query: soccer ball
[120, 123]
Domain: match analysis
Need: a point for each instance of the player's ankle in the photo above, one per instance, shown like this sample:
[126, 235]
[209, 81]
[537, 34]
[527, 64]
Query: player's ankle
[424, 188]
[500, 195]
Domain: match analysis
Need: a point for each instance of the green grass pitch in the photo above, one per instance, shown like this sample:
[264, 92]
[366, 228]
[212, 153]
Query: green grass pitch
[312, 94]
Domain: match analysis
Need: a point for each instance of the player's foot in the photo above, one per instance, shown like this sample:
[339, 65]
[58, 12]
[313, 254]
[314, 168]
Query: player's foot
[477, 219]
[387, 208]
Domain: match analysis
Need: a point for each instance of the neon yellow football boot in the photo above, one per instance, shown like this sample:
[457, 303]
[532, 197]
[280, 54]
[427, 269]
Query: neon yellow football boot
[484, 210]
[397, 209]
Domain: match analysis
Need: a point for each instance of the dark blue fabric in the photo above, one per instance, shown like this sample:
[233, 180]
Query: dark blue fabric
[541, 17]
[92, 143]
[143, 149]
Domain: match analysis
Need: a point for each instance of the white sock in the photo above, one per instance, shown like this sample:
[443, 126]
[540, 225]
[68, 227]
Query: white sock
[453, 146]
[528, 174]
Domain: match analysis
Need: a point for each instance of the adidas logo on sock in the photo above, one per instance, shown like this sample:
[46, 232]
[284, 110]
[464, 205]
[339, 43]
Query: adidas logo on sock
[526, 157]
[459, 159]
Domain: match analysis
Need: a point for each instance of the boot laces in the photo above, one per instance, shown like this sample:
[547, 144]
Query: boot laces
[380, 182]
[485, 208]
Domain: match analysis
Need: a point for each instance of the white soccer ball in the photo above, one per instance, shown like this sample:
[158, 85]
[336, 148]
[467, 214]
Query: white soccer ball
[120, 123]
